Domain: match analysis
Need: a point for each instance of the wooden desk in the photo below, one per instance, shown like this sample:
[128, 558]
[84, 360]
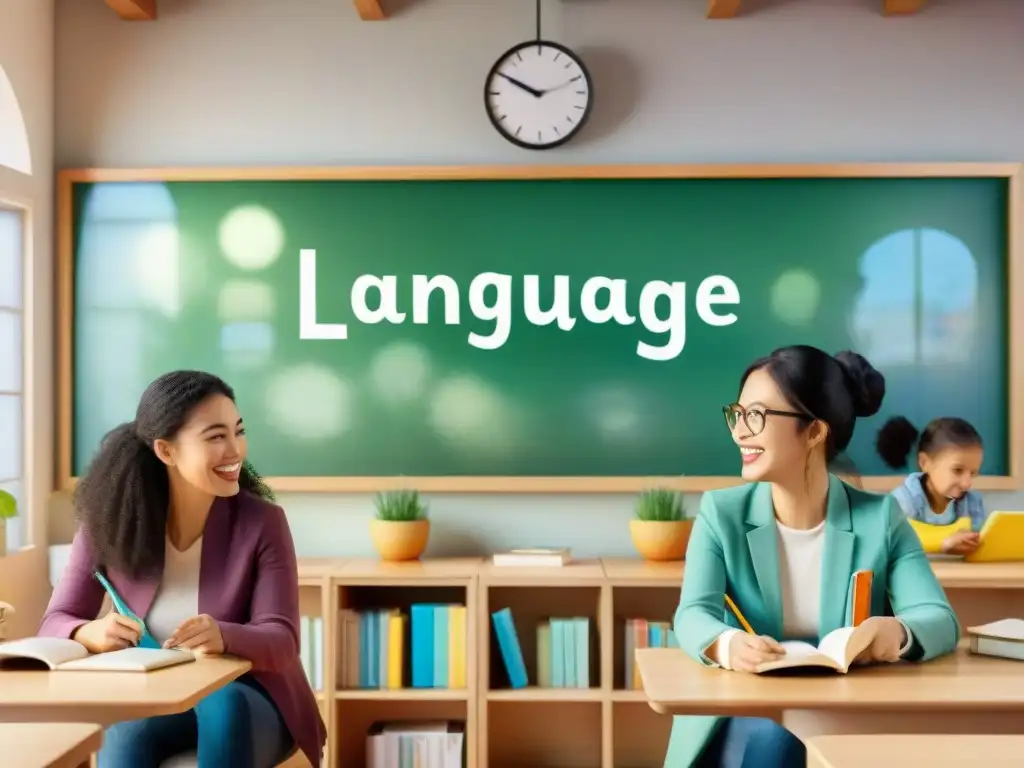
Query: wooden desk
[112, 697]
[49, 745]
[932, 751]
[956, 694]
[982, 592]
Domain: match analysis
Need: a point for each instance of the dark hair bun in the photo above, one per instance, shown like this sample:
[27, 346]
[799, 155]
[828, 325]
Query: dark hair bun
[866, 384]
[895, 441]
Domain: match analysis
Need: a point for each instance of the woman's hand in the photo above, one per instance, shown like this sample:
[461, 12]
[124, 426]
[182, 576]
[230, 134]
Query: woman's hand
[200, 633]
[961, 543]
[890, 637]
[113, 632]
[747, 652]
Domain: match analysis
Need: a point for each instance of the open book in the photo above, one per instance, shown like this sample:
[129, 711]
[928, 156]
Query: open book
[60, 654]
[1002, 539]
[835, 651]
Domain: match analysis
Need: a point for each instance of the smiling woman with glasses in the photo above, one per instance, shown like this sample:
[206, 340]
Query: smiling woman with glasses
[787, 543]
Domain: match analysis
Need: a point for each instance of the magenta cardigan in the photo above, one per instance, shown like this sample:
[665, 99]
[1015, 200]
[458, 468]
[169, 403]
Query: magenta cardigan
[248, 582]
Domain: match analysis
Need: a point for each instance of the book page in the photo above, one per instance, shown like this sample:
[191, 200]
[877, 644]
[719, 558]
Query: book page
[51, 651]
[845, 644]
[798, 654]
[131, 660]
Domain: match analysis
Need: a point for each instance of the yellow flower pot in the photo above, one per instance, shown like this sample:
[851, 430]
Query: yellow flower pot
[661, 541]
[398, 541]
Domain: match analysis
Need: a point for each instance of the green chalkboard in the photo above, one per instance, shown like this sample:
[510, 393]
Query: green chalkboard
[912, 272]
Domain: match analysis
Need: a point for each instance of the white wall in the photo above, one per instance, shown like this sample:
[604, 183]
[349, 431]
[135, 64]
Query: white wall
[264, 82]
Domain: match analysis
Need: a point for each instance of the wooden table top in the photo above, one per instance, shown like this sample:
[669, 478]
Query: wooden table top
[48, 745]
[933, 751]
[110, 697]
[676, 684]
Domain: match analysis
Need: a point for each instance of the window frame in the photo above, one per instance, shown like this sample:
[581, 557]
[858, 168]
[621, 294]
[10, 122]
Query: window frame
[22, 209]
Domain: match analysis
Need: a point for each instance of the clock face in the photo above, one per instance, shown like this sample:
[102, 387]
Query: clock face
[538, 95]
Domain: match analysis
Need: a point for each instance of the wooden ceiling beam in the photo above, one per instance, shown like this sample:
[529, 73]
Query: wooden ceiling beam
[134, 10]
[723, 9]
[901, 7]
[370, 10]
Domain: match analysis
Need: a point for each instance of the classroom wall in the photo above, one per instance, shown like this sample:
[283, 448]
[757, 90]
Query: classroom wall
[26, 54]
[262, 82]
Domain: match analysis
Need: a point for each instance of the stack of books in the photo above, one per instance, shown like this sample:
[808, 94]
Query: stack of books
[641, 633]
[424, 745]
[563, 651]
[374, 643]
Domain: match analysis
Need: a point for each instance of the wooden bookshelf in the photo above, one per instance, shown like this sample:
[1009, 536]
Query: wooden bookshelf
[607, 725]
[601, 726]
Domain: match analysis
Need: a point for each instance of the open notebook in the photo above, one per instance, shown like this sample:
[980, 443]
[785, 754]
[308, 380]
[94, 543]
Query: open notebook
[59, 654]
[835, 651]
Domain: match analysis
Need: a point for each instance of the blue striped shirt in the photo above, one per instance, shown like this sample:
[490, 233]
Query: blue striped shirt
[914, 502]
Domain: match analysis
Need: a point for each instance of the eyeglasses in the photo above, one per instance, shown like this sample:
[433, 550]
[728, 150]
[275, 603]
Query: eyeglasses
[756, 417]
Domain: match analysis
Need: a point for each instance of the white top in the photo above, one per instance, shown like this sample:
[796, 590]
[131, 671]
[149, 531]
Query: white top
[178, 596]
[800, 557]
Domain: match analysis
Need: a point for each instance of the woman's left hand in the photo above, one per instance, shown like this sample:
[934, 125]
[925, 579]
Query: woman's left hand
[890, 637]
[200, 633]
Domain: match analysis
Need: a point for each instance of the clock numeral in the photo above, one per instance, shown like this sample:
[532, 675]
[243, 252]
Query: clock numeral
[518, 130]
[569, 119]
[557, 56]
[578, 77]
[568, 65]
[538, 137]
[498, 93]
[555, 129]
[501, 117]
[579, 93]
[519, 55]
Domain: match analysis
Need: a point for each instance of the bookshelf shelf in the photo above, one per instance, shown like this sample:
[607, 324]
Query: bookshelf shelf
[402, 694]
[535, 693]
[602, 725]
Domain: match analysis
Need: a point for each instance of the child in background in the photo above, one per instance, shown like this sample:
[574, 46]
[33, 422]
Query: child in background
[949, 455]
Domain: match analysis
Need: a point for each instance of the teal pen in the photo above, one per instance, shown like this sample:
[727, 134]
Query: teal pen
[146, 640]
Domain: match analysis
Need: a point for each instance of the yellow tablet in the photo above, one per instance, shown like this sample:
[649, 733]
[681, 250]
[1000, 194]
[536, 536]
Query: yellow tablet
[932, 536]
[1002, 539]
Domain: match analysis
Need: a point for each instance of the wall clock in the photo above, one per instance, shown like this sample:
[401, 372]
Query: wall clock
[538, 94]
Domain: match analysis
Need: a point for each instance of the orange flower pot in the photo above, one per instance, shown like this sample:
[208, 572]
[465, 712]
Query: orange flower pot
[398, 541]
[661, 541]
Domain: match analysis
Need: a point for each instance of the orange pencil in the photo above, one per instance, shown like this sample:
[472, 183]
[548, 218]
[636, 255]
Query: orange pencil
[743, 620]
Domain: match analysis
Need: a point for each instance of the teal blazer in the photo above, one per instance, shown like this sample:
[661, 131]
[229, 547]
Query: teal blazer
[734, 546]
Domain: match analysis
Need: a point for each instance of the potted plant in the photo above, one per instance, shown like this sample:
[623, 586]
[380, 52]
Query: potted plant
[400, 529]
[661, 528]
[8, 510]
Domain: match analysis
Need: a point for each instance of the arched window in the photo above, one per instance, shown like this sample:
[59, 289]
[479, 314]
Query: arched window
[918, 300]
[14, 156]
[14, 150]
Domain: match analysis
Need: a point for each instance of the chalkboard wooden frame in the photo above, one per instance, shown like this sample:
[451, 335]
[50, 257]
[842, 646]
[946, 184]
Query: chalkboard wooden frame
[1013, 173]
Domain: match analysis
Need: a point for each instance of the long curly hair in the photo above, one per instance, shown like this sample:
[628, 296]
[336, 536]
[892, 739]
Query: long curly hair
[123, 499]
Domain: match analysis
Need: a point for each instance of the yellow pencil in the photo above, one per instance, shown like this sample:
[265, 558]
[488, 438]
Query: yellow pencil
[740, 616]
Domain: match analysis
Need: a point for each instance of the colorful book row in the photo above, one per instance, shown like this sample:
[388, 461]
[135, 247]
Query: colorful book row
[641, 633]
[415, 745]
[311, 649]
[563, 651]
[374, 643]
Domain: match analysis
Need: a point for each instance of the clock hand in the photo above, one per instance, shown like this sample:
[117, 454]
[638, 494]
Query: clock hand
[524, 86]
[566, 84]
